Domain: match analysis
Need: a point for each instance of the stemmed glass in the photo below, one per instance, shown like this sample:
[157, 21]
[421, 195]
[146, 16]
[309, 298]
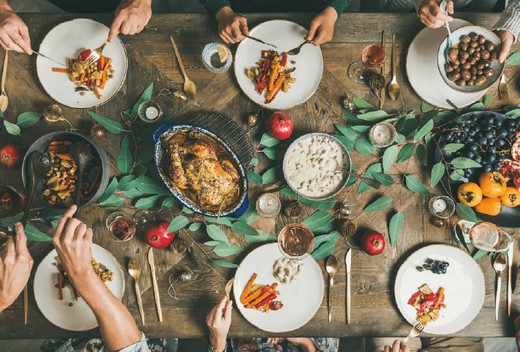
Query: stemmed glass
[372, 58]
[295, 241]
[489, 237]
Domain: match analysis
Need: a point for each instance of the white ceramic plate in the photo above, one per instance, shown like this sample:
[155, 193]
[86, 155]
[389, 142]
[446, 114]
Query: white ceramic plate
[423, 72]
[463, 283]
[285, 35]
[78, 316]
[301, 298]
[67, 40]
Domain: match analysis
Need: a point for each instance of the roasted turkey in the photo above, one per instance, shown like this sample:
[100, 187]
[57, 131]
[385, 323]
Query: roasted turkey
[199, 168]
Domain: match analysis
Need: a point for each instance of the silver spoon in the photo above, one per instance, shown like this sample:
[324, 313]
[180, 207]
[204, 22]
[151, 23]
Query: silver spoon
[331, 266]
[499, 265]
[134, 269]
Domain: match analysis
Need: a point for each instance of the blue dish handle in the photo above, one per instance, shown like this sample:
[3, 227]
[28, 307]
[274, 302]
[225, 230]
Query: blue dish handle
[162, 128]
[242, 209]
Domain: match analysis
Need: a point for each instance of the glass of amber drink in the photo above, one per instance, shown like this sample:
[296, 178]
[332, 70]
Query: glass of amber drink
[295, 241]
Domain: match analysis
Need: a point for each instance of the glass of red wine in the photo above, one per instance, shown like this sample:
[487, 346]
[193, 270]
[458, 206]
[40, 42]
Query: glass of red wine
[372, 58]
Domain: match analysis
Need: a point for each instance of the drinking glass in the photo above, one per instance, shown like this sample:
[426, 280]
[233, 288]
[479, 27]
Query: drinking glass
[489, 237]
[295, 241]
[372, 58]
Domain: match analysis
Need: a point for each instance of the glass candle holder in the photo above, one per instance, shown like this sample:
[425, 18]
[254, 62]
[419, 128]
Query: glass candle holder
[268, 205]
[212, 55]
[149, 111]
[382, 134]
[441, 206]
[121, 227]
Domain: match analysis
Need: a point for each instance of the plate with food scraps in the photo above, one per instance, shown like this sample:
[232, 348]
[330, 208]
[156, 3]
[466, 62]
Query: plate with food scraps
[316, 166]
[283, 303]
[457, 285]
[302, 72]
[76, 85]
[70, 313]
[423, 72]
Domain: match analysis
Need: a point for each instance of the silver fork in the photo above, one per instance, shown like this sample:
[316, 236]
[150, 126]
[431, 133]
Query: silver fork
[296, 50]
[95, 54]
[502, 88]
[416, 331]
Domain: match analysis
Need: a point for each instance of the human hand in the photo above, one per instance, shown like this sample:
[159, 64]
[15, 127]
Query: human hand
[431, 14]
[398, 346]
[15, 268]
[130, 18]
[14, 34]
[507, 38]
[321, 29]
[73, 242]
[232, 28]
[219, 321]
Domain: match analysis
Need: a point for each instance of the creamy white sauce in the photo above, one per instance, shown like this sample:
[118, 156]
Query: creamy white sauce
[286, 269]
[316, 166]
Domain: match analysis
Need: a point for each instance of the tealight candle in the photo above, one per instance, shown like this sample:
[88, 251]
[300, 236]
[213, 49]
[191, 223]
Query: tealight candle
[382, 134]
[149, 111]
[152, 113]
[268, 205]
[439, 205]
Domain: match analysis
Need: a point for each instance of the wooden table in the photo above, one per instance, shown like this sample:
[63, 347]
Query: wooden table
[151, 60]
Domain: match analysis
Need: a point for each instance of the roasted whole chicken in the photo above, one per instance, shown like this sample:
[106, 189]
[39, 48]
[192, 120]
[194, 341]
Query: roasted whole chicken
[200, 169]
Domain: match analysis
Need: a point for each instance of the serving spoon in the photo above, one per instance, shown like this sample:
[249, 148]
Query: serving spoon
[4, 100]
[499, 265]
[331, 266]
[393, 87]
[189, 87]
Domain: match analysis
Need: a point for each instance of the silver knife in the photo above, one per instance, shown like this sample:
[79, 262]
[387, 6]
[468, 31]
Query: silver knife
[260, 41]
[48, 58]
[509, 276]
[348, 260]
[154, 282]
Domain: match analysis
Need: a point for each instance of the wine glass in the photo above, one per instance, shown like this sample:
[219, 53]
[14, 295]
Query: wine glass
[372, 58]
[295, 241]
[489, 237]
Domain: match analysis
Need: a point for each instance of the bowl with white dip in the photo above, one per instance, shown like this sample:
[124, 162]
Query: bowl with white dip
[316, 166]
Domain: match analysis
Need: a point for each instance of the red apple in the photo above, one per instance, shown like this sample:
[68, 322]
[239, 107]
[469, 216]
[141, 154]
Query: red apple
[157, 236]
[11, 155]
[372, 243]
[279, 126]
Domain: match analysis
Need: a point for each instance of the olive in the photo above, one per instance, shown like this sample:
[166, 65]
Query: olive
[490, 46]
[471, 82]
[479, 72]
[480, 80]
[488, 72]
[461, 82]
[472, 60]
[455, 65]
[454, 76]
[481, 39]
[479, 48]
[464, 47]
[463, 55]
[465, 39]
[473, 70]
[452, 55]
[473, 44]
[466, 66]
[476, 55]
[474, 77]
[484, 54]
[473, 36]
[471, 50]
[486, 63]
[494, 56]
[480, 66]
[448, 68]
[465, 75]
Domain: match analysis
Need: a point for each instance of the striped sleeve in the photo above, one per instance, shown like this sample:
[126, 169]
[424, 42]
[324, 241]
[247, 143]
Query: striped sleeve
[510, 19]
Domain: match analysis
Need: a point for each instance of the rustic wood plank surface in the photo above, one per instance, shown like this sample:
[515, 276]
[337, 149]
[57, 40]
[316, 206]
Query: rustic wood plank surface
[151, 60]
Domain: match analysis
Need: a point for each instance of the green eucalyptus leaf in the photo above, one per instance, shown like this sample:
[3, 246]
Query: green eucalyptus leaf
[168, 202]
[423, 131]
[384, 179]
[399, 138]
[225, 250]
[324, 204]
[28, 119]
[514, 114]
[406, 152]
[269, 176]
[352, 118]
[464, 163]
[361, 104]
[326, 237]
[479, 253]
[12, 128]
[347, 131]
[373, 116]
[422, 154]
[261, 237]
[379, 204]
[147, 203]
[347, 142]
[318, 220]
[113, 201]
[178, 223]
[424, 106]
[395, 226]
[389, 158]
[437, 173]
[360, 128]
[211, 243]
[34, 234]
[375, 167]
[254, 178]
[110, 190]
[477, 107]
[125, 179]
[254, 162]
[216, 233]
[409, 127]
[273, 153]
[268, 141]
[487, 99]
[242, 228]
[457, 174]
[444, 116]
[414, 185]
[133, 193]
[110, 125]
[465, 212]
[124, 158]
[514, 59]
[250, 216]
[324, 245]
[221, 221]
[453, 147]
[186, 210]
[363, 146]
[194, 226]
[363, 187]
[224, 263]
[145, 95]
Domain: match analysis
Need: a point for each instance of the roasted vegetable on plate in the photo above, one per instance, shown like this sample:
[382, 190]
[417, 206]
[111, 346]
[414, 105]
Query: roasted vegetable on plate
[260, 297]
[427, 303]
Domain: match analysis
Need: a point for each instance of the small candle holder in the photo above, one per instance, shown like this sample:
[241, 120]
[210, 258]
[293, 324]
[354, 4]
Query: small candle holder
[441, 207]
[143, 219]
[382, 134]
[217, 57]
[121, 228]
[149, 111]
[268, 205]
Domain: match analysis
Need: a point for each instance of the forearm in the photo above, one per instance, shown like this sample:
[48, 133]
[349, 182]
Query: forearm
[214, 6]
[5, 6]
[339, 5]
[510, 19]
[218, 343]
[117, 325]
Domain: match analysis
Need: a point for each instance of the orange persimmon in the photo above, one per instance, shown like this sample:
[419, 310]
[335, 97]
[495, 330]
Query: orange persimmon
[489, 206]
[469, 194]
[493, 184]
[511, 198]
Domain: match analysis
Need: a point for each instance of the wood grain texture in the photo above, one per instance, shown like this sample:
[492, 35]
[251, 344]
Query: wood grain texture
[374, 312]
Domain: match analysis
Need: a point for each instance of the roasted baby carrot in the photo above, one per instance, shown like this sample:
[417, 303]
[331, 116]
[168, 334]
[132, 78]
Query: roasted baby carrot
[267, 292]
[257, 293]
[277, 86]
[59, 69]
[273, 76]
[440, 297]
[248, 287]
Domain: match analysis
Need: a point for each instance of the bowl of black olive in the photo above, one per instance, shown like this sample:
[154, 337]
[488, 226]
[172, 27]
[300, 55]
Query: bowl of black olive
[471, 65]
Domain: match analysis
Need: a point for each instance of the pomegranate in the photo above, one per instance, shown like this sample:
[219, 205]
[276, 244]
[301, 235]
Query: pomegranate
[157, 237]
[11, 155]
[279, 126]
[515, 149]
[372, 243]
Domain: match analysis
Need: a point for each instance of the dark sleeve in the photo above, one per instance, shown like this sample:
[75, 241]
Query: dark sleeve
[214, 6]
[339, 5]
